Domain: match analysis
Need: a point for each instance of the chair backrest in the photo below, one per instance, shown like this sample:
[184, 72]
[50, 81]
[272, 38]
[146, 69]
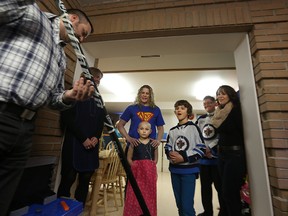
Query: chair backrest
[110, 172]
[122, 141]
[110, 145]
[121, 170]
[101, 143]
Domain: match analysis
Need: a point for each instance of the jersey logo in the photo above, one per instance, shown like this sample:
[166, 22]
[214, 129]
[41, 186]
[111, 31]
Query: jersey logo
[208, 132]
[182, 143]
[145, 116]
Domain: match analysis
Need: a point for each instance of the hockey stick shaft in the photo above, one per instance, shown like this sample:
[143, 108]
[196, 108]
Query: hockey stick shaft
[108, 122]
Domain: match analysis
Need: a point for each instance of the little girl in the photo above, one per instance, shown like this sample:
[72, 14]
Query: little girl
[142, 159]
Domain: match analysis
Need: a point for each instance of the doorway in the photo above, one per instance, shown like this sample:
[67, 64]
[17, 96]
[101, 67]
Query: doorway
[112, 59]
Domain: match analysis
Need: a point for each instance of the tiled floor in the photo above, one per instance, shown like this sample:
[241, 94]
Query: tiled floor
[166, 202]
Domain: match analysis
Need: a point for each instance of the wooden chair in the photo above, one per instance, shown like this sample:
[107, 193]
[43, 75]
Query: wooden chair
[109, 180]
[101, 143]
[110, 146]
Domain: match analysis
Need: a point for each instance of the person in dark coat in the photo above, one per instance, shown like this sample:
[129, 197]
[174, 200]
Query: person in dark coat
[228, 122]
[80, 154]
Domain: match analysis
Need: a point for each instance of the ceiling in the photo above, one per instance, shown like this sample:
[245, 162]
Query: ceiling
[187, 44]
[173, 66]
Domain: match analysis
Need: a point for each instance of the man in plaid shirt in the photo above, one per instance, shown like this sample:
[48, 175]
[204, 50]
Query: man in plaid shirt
[32, 66]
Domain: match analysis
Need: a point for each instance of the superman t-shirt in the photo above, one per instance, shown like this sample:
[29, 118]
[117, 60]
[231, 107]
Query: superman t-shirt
[137, 114]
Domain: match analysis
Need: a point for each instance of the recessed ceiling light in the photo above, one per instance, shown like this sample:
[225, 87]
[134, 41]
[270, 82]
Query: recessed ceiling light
[120, 89]
[207, 86]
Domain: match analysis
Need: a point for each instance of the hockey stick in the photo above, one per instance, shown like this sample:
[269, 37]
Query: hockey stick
[108, 122]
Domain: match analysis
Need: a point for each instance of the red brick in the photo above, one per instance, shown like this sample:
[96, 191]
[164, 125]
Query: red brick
[266, 38]
[274, 133]
[277, 152]
[273, 98]
[272, 66]
[281, 11]
[280, 203]
[259, 26]
[279, 183]
[269, 52]
[274, 83]
[275, 115]
[278, 18]
[278, 172]
[40, 139]
[276, 143]
[274, 31]
[275, 124]
[274, 74]
[266, 5]
[48, 123]
[262, 13]
[274, 106]
[273, 90]
[278, 162]
[48, 131]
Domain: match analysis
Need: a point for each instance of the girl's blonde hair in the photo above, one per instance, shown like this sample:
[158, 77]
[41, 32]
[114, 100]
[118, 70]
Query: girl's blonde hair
[151, 98]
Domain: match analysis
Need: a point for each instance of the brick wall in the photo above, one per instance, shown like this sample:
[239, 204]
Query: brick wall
[266, 21]
[269, 48]
[269, 43]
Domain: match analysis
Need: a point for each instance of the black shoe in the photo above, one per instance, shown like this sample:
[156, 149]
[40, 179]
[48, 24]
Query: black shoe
[204, 214]
[221, 214]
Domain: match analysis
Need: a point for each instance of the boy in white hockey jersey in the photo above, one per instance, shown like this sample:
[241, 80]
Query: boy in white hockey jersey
[183, 149]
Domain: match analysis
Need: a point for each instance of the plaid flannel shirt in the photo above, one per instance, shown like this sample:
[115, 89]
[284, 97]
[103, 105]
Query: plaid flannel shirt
[32, 61]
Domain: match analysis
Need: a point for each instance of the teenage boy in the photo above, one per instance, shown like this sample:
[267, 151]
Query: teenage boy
[183, 149]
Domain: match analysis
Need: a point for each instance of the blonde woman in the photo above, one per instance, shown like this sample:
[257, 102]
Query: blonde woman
[143, 109]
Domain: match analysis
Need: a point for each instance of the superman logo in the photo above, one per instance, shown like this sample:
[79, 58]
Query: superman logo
[145, 116]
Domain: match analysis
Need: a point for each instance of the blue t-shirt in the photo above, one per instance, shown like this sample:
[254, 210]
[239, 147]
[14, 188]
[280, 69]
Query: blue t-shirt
[137, 114]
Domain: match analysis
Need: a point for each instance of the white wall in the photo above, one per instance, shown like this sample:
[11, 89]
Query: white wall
[255, 152]
[170, 121]
[207, 60]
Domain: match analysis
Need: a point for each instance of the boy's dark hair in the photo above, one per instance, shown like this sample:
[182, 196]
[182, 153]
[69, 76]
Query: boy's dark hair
[82, 15]
[186, 104]
[208, 97]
